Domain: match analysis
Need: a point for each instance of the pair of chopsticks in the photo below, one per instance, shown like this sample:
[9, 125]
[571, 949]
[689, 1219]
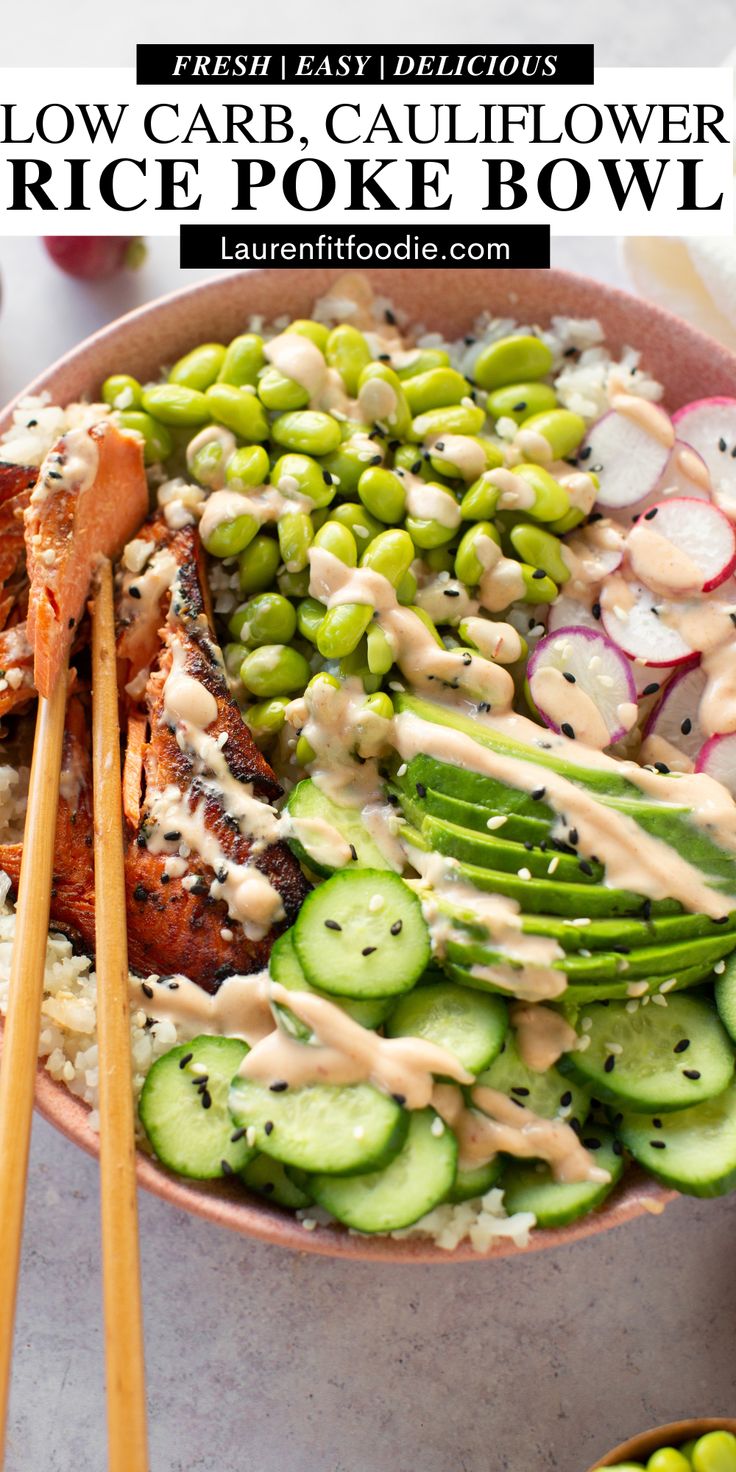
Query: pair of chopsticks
[126, 1406]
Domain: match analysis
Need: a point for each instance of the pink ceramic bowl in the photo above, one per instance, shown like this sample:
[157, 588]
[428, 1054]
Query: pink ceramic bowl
[691, 366]
[639, 1448]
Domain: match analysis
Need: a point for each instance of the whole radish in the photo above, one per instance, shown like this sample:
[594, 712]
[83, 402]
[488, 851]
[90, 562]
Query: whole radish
[95, 257]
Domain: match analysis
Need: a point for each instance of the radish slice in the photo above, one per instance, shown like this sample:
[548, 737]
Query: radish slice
[637, 629]
[685, 474]
[718, 759]
[674, 724]
[628, 460]
[682, 546]
[582, 685]
[709, 426]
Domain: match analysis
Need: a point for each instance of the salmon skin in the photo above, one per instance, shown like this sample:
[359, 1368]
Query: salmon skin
[90, 496]
[16, 483]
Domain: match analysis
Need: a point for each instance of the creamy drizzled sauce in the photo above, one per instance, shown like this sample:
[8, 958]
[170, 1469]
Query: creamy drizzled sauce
[498, 641]
[461, 451]
[516, 492]
[264, 504]
[656, 561]
[564, 702]
[241, 1008]
[498, 1125]
[542, 1036]
[430, 503]
[376, 400]
[71, 466]
[647, 416]
[298, 358]
[213, 434]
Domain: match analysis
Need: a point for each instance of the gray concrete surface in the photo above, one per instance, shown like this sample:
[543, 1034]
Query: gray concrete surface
[273, 1362]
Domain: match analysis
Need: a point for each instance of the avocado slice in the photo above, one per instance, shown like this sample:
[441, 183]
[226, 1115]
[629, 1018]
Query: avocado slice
[490, 852]
[610, 965]
[602, 934]
[578, 995]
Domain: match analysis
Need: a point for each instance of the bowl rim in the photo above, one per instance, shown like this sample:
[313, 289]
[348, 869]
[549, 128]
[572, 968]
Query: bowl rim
[230, 1206]
[673, 1433]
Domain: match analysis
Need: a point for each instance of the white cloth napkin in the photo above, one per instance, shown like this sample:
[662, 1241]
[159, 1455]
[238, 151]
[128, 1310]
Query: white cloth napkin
[696, 278]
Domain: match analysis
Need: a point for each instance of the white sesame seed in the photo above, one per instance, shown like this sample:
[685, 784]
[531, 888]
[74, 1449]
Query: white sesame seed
[659, 1001]
[632, 1007]
[396, 685]
[552, 865]
[668, 985]
[198, 1069]
[586, 1024]
[497, 822]
[437, 1127]
[376, 902]
[308, 1222]
[524, 873]
[637, 988]
[226, 933]
[615, 1048]
[402, 770]
[222, 739]
[250, 1135]
[358, 1132]
[620, 613]
[719, 968]
[586, 954]
[583, 1043]
[595, 663]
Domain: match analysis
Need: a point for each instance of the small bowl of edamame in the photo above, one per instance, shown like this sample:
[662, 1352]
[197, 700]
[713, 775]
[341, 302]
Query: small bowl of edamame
[707, 1444]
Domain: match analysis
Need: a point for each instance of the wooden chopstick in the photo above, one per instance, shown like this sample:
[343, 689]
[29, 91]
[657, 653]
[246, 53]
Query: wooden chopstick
[126, 1392]
[23, 1021]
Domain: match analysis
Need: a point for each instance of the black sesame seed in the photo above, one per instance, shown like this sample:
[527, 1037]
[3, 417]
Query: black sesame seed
[421, 790]
[236, 1135]
[134, 590]
[585, 868]
[573, 837]
[610, 1063]
[693, 1073]
[518, 408]
[367, 950]
[268, 1127]
[651, 689]
[538, 794]
[617, 1147]
[528, 846]
[646, 910]
[268, 1187]
[206, 1099]
[594, 517]
[570, 352]
[279, 1086]
[173, 836]
[399, 1098]
[142, 840]
[539, 572]
[451, 592]
[439, 445]
[592, 1143]
[567, 730]
[657, 1124]
[396, 927]
[186, 1059]
[390, 318]
[226, 1168]
[658, 1144]
[353, 853]
[166, 879]
[520, 1090]
[332, 925]
[686, 726]
[384, 357]
[722, 446]
[566, 1098]
[416, 467]
[392, 799]
[596, 610]
[570, 678]
[71, 623]
[575, 1125]
[650, 515]
[586, 453]
[663, 768]
[682, 1046]
[146, 989]
[376, 460]
[140, 892]
[327, 478]
[483, 706]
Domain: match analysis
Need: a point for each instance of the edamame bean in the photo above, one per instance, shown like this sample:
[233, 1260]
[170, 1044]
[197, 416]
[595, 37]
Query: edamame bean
[199, 368]
[321, 678]
[315, 331]
[307, 430]
[512, 360]
[238, 410]
[667, 1459]
[520, 400]
[568, 522]
[268, 618]
[382, 494]
[380, 653]
[551, 500]
[293, 584]
[266, 718]
[435, 389]
[305, 753]
[413, 458]
[390, 554]
[444, 467]
[231, 537]
[440, 559]
[420, 360]
[157, 442]
[469, 564]
[348, 352]
[562, 430]
[427, 533]
[715, 1452]
[280, 393]
[274, 669]
[243, 361]
[174, 403]
[233, 655]
[382, 399]
[538, 587]
[301, 475]
[257, 564]
[309, 615]
[481, 500]
[121, 391]
[464, 418]
[339, 541]
[688, 1447]
[363, 526]
[249, 466]
[407, 588]
[540, 549]
[381, 705]
[295, 534]
[342, 629]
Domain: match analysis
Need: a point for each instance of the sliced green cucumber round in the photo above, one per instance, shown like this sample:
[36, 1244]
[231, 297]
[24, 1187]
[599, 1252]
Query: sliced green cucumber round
[285, 968]
[184, 1112]
[693, 1150]
[725, 992]
[548, 1094]
[657, 1058]
[417, 1179]
[268, 1178]
[314, 813]
[530, 1186]
[470, 1024]
[362, 934]
[469, 1184]
[322, 1127]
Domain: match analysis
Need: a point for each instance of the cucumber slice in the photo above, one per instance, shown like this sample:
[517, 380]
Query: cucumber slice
[693, 1150]
[323, 1127]
[268, 1178]
[531, 1187]
[671, 1057]
[307, 801]
[547, 1094]
[362, 934]
[183, 1108]
[725, 992]
[285, 968]
[470, 1024]
[416, 1180]
[470, 1184]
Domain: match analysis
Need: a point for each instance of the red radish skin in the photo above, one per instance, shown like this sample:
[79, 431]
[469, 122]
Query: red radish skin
[709, 426]
[628, 461]
[675, 718]
[718, 760]
[703, 543]
[577, 663]
[95, 257]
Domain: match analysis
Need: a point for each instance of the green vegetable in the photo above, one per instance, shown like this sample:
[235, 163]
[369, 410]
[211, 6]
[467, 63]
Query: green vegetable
[249, 466]
[157, 442]
[348, 352]
[301, 475]
[540, 549]
[274, 669]
[277, 392]
[121, 391]
[308, 431]
[382, 494]
[199, 368]
[562, 430]
[243, 361]
[469, 565]
[315, 331]
[268, 618]
[435, 389]
[465, 418]
[239, 410]
[231, 537]
[175, 404]
[258, 563]
[296, 534]
[520, 400]
[309, 615]
[266, 718]
[512, 360]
